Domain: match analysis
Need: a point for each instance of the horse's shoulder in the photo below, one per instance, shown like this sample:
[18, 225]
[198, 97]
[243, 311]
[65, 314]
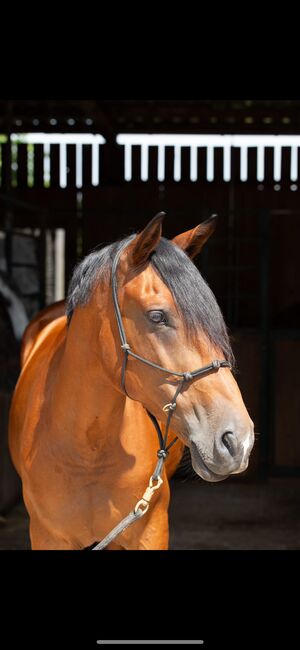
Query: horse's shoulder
[48, 315]
[46, 341]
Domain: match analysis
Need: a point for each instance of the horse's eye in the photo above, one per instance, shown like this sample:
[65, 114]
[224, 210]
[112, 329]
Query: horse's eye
[157, 316]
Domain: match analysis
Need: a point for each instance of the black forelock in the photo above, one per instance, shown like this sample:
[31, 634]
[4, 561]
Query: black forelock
[194, 299]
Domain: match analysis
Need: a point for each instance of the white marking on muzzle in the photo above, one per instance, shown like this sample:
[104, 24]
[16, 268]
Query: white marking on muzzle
[247, 444]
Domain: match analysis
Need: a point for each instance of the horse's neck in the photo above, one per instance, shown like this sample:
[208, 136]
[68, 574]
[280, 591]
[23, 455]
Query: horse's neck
[81, 382]
[94, 412]
[98, 425]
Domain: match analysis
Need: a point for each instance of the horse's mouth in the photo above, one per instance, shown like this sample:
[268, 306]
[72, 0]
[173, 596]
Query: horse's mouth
[202, 469]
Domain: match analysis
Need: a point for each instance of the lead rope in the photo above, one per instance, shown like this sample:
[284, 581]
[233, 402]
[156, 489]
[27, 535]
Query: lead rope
[155, 480]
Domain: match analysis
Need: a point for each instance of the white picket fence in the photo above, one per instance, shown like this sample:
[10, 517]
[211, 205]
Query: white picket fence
[210, 142]
[174, 143]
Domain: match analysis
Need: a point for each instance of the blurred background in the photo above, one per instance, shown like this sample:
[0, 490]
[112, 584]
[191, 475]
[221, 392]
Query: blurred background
[76, 174]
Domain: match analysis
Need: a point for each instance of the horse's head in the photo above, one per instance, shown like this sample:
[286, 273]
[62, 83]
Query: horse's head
[171, 318]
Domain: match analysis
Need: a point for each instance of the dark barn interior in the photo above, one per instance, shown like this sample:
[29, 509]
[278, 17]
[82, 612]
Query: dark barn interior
[77, 174]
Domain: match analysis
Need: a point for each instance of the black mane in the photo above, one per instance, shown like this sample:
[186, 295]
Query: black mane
[195, 301]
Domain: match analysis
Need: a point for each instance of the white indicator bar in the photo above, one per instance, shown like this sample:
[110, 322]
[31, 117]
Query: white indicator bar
[148, 642]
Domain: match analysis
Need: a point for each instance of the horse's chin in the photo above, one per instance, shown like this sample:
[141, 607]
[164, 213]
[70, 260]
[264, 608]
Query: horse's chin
[200, 467]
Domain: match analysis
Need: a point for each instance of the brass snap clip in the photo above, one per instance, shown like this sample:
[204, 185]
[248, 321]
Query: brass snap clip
[148, 494]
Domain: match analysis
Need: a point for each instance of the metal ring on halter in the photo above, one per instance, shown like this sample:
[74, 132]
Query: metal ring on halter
[169, 407]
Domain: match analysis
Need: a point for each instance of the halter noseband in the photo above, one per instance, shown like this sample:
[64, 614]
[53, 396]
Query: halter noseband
[185, 376]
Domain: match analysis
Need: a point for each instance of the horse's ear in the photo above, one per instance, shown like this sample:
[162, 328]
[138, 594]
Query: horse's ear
[193, 240]
[146, 241]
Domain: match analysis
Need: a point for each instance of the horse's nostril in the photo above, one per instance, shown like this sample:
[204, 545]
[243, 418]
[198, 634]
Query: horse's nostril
[228, 442]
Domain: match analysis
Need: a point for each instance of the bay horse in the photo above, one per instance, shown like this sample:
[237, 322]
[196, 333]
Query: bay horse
[83, 444]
